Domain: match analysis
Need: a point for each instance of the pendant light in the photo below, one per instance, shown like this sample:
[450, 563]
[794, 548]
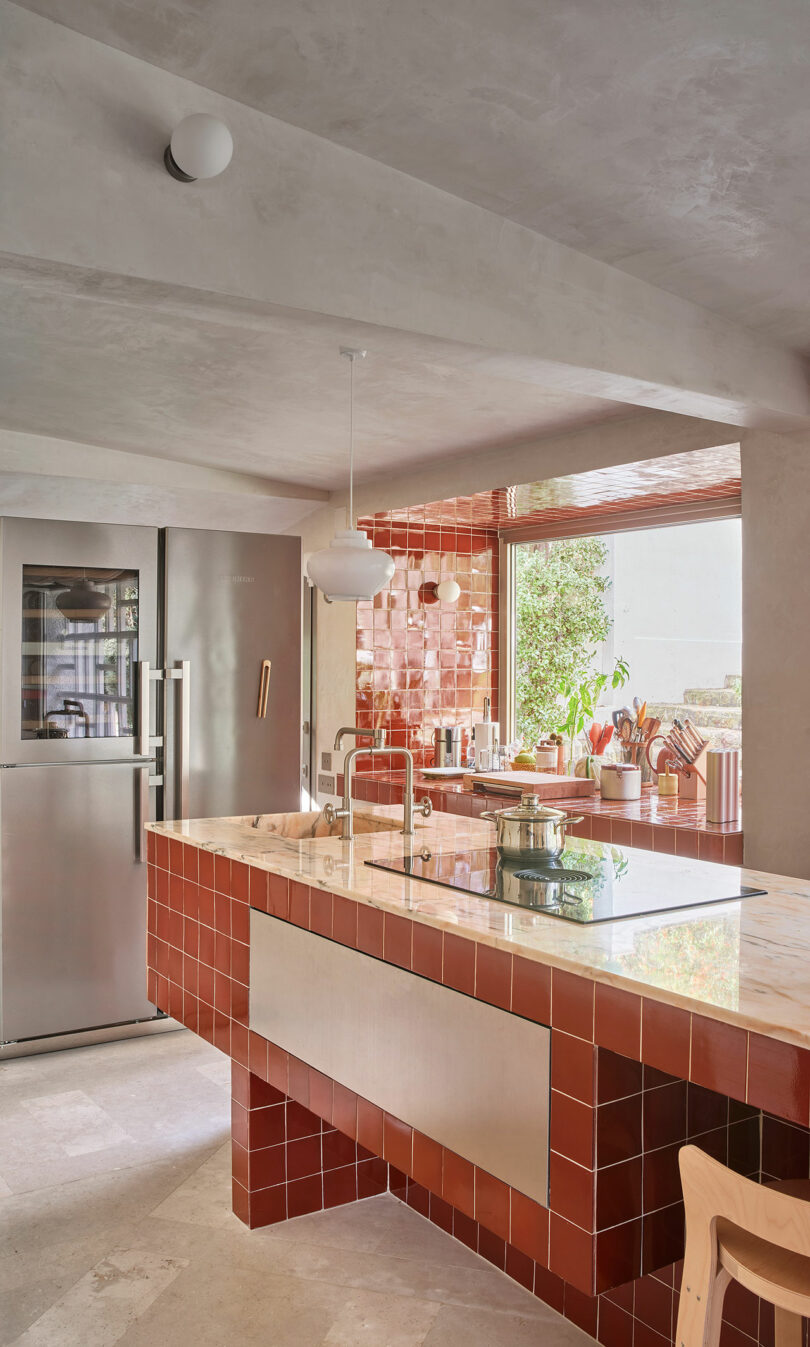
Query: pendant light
[350, 569]
[82, 602]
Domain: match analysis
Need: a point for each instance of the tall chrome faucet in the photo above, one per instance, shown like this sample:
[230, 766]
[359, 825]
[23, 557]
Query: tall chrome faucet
[345, 812]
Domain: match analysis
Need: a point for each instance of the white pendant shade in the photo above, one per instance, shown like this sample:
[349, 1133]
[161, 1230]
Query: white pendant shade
[350, 569]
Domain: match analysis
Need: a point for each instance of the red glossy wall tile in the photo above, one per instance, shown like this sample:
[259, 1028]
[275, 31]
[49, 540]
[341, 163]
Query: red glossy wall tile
[572, 1001]
[617, 1020]
[421, 663]
[779, 1078]
[719, 1056]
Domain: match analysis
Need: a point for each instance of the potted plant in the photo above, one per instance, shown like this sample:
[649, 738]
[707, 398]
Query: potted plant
[581, 699]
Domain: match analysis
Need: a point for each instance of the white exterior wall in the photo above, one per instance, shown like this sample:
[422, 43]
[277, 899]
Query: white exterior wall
[677, 607]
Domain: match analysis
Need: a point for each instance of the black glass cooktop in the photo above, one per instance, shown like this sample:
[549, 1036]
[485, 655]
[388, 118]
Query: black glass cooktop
[590, 882]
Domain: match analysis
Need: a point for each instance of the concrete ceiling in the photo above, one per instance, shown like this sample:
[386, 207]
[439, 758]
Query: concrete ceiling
[669, 140]
[266, 396]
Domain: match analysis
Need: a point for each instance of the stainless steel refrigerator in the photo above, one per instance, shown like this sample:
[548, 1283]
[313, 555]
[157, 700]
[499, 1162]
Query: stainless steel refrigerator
[144, 673]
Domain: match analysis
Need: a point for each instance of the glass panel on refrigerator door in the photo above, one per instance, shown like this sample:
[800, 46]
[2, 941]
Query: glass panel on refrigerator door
[79, 652]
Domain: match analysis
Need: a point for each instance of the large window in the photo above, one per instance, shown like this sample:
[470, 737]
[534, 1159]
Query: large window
[667, 601]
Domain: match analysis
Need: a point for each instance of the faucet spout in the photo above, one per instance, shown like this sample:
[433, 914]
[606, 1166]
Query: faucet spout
[377, 736]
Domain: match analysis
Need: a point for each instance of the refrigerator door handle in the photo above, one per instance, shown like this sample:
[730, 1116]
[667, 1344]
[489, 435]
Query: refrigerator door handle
[142, 810]
[264, 689]
[181, 674]
[142, 737]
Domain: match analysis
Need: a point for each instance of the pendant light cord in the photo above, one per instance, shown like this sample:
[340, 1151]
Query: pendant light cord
[351, 354]
[351, 441]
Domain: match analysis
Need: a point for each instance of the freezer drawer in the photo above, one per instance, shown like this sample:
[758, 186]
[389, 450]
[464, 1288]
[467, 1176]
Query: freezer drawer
[73, 898]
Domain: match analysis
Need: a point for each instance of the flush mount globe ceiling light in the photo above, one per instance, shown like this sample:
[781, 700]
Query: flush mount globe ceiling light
[350, 569]
[200, 147]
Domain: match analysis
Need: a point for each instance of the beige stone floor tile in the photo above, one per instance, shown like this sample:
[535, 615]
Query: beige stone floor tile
[251, 1310]
[99, 1308]
[369, 1319]
[458, 1327]
[372, 1273]
[479, 1285]
[204, 1198]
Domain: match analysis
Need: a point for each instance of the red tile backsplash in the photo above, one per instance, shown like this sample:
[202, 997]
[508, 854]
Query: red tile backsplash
[421, 663]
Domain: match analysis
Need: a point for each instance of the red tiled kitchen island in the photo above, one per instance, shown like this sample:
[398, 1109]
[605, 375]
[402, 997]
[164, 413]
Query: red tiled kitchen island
[686, 1025]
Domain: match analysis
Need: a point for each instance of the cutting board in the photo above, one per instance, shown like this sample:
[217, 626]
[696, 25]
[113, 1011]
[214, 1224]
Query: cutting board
[545, 785]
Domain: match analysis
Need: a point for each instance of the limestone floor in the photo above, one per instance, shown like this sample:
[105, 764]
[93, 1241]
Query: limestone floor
[115, 1227]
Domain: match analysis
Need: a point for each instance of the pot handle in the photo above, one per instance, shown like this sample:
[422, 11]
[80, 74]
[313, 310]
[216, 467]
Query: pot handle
[489, 815]
[567, 821]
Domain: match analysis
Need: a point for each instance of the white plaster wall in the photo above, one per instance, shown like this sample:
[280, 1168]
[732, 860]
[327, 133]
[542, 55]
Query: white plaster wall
[677, 606]
[776, 652]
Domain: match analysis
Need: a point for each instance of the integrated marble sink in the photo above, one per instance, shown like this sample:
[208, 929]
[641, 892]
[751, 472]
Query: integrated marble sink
[303, 825]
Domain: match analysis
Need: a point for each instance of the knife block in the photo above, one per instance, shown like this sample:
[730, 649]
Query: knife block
[693, 787]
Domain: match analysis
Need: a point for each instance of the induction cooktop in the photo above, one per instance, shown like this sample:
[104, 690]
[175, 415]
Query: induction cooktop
[590, 882]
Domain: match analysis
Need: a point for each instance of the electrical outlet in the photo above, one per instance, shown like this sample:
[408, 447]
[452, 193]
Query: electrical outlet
[326, 784]
[326, 762]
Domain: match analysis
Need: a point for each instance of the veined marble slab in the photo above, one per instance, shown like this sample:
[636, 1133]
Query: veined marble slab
[745, 962]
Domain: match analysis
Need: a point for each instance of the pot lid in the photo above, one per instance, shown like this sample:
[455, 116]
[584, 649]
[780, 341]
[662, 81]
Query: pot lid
[531, 809]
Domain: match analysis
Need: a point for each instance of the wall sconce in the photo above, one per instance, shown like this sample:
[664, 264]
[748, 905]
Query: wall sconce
[446, 591]
[200, 147]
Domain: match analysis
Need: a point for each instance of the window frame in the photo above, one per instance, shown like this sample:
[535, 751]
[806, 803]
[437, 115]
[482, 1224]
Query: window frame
[626, 521]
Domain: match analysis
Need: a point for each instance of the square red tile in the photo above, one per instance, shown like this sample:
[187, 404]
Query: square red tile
[278, 896]
[458, 1183]
[573, 1066]
[299, 904]
[340, 1186]
[571, 1253]
[370, 1126]
[571, 1190]
[618, 1193]
[618, 1131]
[427, 1162]
[779, 1078]
[397, 1143]
[458, 969]
[258, 886]
[370, 930]
[344, 921]
[257, 1055]
[529, 1227]
[344, 1110]
[304, 1195]
[222, 874]
[205, 868]
[572, 1128]
[426, 955]
[493, 976]
[719, 1056]
[617, 1020]
[666, 1037]
[617, 1076]
[397, 940]
[572, 1002]
[320, 912]
[240, 881]
[492, 1203]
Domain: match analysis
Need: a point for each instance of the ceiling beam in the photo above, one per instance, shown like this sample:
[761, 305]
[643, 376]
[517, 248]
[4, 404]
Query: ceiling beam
[301, 223]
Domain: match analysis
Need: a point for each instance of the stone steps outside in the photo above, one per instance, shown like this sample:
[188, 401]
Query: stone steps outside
[706, 717]
[713, 696]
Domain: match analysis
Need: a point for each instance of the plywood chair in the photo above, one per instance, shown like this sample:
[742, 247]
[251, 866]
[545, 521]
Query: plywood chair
[757, 1234]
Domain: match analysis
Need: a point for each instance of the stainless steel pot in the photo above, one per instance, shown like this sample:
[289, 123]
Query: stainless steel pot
[530, 831]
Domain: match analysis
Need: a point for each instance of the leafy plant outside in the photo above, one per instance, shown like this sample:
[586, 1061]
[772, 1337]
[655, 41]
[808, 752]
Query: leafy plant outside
[560, 621]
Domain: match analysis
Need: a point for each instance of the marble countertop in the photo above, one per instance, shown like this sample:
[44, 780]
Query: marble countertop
[744, 962]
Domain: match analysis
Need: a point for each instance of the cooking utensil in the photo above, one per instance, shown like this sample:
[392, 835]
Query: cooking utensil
[604, 740]
[529, 830]
[641, 714]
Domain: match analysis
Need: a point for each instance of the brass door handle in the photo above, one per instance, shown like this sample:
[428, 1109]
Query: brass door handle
[264, 689]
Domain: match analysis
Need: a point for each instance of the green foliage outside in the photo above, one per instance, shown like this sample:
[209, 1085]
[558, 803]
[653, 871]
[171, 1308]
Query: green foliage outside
[560, 621]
